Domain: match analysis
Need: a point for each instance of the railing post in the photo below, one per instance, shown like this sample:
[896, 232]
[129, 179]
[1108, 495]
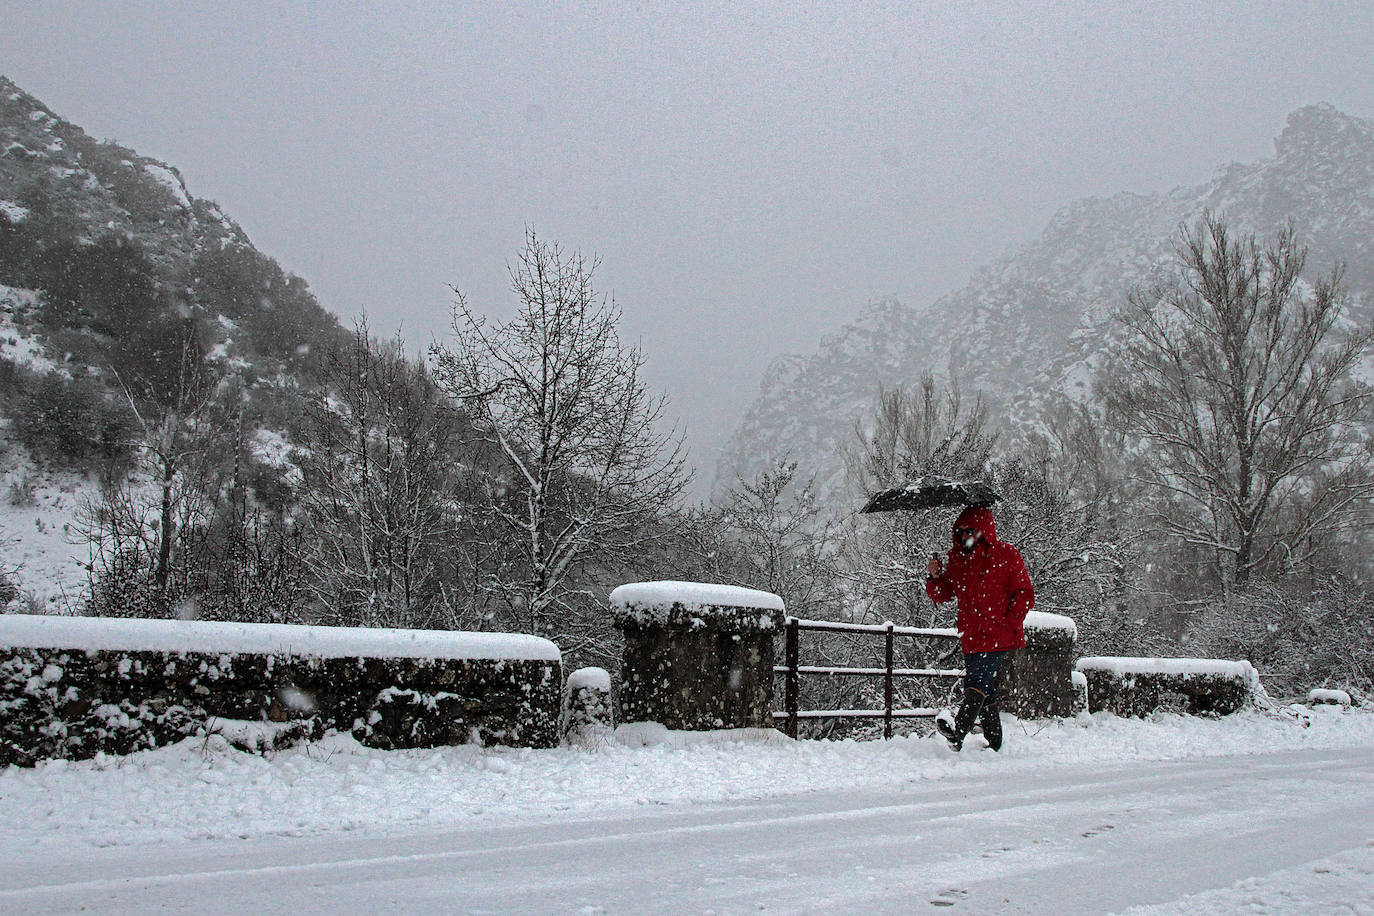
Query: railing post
[887, 686]
[793, 676]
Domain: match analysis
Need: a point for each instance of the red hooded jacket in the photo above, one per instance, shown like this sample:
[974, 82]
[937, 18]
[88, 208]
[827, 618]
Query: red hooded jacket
[992, 585]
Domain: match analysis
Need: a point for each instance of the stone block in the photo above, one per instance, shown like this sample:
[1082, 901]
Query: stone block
[697, 657]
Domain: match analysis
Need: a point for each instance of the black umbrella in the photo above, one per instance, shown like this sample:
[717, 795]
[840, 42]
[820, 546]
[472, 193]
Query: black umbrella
[932, 492]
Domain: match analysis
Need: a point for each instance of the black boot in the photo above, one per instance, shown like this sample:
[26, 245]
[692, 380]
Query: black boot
[991, 721]
[963, 720]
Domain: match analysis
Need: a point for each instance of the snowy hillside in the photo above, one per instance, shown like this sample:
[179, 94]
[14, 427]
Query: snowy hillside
[41, 550]
[111, 271]
[50, 167]
[1031, 324]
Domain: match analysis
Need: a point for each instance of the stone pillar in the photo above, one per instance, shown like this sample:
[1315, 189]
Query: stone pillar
[1037, 682]
[588, 717]
[697, 657]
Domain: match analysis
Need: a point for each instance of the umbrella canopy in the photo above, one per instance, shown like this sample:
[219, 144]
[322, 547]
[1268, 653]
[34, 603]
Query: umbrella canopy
[932, 492]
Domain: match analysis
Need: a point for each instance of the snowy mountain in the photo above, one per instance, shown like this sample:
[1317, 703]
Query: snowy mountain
[110, 269]
[1030, 325]
[86, 222]
[52, 169]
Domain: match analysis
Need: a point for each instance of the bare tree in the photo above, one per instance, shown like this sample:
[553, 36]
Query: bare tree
[564, 400]
[199, 540]
[781, 540]
[925, 431]
[1300, 635]
[377, 481]
[142, 542]
[910, 434]
[1236, 380]
[172, 441]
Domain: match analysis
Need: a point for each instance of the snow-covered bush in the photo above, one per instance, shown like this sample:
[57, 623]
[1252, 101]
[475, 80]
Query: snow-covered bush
[9, 591]
[74, 423]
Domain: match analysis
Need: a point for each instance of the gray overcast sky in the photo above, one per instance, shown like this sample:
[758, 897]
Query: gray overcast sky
[751, 175]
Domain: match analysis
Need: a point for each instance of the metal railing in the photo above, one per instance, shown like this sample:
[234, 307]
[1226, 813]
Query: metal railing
[792, 670]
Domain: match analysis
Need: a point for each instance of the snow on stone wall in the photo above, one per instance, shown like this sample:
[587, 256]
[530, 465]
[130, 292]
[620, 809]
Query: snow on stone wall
[588, 710]
[1125, 667]
[697, 655]
[1323, 696]
[1037, 681]
[125, 634]
[694, 603]
[590, 678]
[1040, 620]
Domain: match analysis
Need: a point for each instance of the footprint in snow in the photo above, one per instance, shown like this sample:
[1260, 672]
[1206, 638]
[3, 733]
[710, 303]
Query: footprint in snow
[949, 897]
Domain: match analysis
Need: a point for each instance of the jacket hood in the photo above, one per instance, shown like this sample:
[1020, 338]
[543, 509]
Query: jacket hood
[979, 517]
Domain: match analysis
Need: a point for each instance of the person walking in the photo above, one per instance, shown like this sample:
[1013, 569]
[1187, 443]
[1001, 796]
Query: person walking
[994, 592]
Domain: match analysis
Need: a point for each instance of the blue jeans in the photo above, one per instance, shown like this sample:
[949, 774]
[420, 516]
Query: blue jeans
[981, 672]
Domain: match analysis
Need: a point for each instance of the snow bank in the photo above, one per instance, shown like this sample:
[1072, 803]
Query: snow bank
[104, 634]
[651, 734]
[203, 788]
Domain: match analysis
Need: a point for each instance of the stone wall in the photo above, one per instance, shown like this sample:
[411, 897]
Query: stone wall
[1138, 686]
[1037, 681]
[74, 687]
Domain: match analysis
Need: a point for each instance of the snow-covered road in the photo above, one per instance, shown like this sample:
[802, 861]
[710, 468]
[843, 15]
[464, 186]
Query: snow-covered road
[1295, 826]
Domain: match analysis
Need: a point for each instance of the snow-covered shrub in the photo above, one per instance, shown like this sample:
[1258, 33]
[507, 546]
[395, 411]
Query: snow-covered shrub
[74, 423]
[235, 562]
[9, 591]
[20, 493]
[1321, 697]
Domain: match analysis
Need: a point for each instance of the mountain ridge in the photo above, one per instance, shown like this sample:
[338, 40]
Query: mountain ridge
[1027, 326]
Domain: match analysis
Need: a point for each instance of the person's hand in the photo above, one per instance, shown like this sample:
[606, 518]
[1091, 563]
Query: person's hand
[935, 568]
